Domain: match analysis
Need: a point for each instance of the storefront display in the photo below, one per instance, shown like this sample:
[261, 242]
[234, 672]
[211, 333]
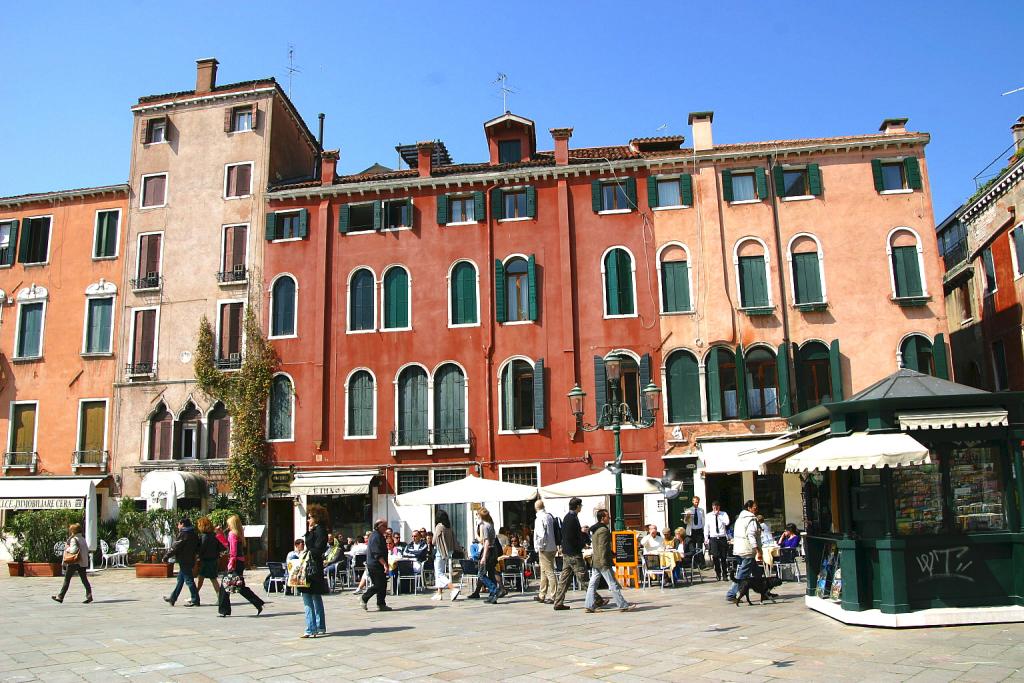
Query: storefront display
[977, 488]
[918, 499]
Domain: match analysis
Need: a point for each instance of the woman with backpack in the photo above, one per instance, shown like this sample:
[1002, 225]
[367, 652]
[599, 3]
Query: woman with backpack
[210, 549]
[76, 559]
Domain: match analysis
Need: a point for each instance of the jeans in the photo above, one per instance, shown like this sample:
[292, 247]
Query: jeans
[613, 586]
[314, 604]
[548, 580]
[442, 567]
[743, 571]
[486, 574]
[571, 564]
[70, 571]
[185, 578]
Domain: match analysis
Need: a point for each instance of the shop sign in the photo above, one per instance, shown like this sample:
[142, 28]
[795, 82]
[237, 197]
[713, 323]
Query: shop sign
[42, 503]
[281, 480]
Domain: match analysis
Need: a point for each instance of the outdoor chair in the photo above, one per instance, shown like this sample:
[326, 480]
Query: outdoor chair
[356, 568]
[533, 563]
[692, 567]
[514, 572]
[277, 580]
[331, 576]
[788, 558]
[470, 573]
[121, 547]
[654, 570]
[109, 558]
[405, 571]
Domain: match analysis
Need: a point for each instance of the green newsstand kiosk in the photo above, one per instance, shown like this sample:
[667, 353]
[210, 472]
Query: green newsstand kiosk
[914, 497]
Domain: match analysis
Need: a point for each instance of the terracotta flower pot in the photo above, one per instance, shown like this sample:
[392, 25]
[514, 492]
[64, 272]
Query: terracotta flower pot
[42, 569]
[153, 570]
[16, 568]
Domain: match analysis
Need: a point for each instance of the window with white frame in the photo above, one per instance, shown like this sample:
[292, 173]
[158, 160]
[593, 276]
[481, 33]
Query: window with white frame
[281, 409]
[450, 406]
[521, 395]
[242, 118]
[155, 131]
[105, 239]
[23, 428]
[35, 240]
[8, 241]
[143, 355]
[905, 261]
[462, 208]
[233, 254]
[31, 322]
[283, 304]
[154, 190]
[92, 431]
[229, 335]
[673, 262]
[99, 319]
[238, 180]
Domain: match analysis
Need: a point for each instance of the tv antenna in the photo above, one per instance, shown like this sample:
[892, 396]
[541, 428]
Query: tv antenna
[505, 90]
[291, 68]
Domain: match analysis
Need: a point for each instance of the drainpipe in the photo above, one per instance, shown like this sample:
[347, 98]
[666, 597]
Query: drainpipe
[783, 299]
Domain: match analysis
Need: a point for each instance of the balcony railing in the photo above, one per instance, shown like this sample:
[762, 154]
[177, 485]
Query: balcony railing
[140, 369]
[148, 281]
[232, 362]
[955, 255]
[22, 460]
[453, 437]
[97, 459]
[238, 274]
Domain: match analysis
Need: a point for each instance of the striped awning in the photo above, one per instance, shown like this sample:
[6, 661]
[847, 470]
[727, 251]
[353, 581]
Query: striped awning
[952, 419]
[860, 450]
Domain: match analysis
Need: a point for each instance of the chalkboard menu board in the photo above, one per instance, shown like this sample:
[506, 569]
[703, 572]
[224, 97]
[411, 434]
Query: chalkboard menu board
[625, 547]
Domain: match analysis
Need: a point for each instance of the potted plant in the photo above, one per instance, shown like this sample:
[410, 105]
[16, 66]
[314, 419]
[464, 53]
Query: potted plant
[155, 535]
[34, 534]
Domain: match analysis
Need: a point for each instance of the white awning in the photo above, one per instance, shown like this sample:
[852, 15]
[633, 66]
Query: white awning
[600, 484]
[333, 483]
[724, 457]
[952, 419]
[32, 493]
[469, 489]
[784, 446]
[860, 451]
[171, 485]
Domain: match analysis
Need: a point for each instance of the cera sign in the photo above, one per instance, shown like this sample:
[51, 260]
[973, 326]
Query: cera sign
[42, 503]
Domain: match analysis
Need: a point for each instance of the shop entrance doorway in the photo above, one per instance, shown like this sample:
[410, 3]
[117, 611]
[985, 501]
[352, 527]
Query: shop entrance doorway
[727, 489]
[280, 528]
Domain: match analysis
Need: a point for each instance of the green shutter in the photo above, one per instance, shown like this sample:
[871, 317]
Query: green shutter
[939, 357]
[779, 179]
[835, 371]
[645, 379]
[686, 189]
[682, 376]
[12, 244]
[497, 204]
[626, 304]
[762, 182]
[409, 212]
[806, 278]
[611, 282]
[913, 172]
[907, 272]
[595, 196]
[876, 173]
[396, 299]
[500, 314]
[741, 384]
[1017, 235]
[675, 286]
[726, 189]
[26, 241]
[344, 218]
[910, 352]
[378, 215]
[652, 191]
[531, 278]
[479, 206]
[714, 388]
[443, 215]
[600, 387]
[303, 223]
[463, 294]
[531, 201]
[753, 282]
[782, 367]
[508, 395]
[814, 179]
[539, 414]
[631, 192]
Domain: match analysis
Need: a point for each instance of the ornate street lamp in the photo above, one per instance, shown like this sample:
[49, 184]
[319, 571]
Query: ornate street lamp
[614, 414]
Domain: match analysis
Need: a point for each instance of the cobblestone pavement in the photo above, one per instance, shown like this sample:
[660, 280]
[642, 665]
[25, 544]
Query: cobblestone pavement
[684, 634]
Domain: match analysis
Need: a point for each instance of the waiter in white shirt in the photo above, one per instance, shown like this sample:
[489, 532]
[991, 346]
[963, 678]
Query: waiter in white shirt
[718, 539]
[695, 527]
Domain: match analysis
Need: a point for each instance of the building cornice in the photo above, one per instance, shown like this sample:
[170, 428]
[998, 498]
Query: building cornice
[1010, 178]
[63, 195]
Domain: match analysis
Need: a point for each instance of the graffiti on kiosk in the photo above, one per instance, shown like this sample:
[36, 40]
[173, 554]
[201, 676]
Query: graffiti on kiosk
[945, 563]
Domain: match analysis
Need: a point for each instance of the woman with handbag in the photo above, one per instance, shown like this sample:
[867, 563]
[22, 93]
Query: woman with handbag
[312, 593]
[445, 547]
[236, 570]
[76, 559]
[210, 549]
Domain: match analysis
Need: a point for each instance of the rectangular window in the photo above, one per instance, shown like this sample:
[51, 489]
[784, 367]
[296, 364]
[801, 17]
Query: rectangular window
[92, 421]
[634, 468]
[525, 476]
[360, 217]
[744, 189]
[794, 183]
[614, 196]
[8, 239]
[509, 151]
[462, 210]
[990, 271]
[397, 214]
[893, 176]
[35, 240]
[149, 261]
[1017, 244]
[515, 204]
[229, 336]
[288, 226]
[675, 286]
[156, 131]
[104, 244]
[964, 299]
[407, 481]
[241, 119]
[669, 193]
[977, 484]
[999, 366]
[233, 257]
[806, 278]
[99, 324]
[30, 330]
[143, 341]
[238, 180]
[154, 190]
[23, 428]
[753, 282]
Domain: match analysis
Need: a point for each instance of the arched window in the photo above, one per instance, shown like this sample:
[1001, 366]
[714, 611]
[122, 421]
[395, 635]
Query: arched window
[282, 307]
[682, 381]
[634, 376]
[396, 299]
[904, 249]
[281, 422]
[450, 405]
[360, 404]
[188, 432]
[360, 301]
[617, 267]
[674, 263]
[808, 283]
[517, 289]
[916, 354]
[520, 385]
[813, 375]
[723, 403]
[161, 428]
[462, 304]
[751, 260]
[412, 407]
[762, 383]
[218, 432]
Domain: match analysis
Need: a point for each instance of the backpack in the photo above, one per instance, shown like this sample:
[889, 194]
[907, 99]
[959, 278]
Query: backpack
[557, 525]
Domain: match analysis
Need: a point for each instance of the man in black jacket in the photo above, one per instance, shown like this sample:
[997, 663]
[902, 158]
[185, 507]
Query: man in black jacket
[184, 551]
[572, 554]
[377, 566]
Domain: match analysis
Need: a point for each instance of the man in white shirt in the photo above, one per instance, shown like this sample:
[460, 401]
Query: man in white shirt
[652, 542]
[695, 527]
[544, 540]
[718, 539]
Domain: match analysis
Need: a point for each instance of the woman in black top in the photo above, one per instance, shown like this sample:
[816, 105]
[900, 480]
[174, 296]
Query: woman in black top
[210, 549]
[317, 520]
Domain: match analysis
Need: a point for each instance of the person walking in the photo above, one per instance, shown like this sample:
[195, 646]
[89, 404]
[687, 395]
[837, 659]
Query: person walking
[209, 553]
[184, 551]
[445, 546]
[236, 567]
[746, 544]
[377, 567]
[718, 539]
[490, 551]
[76, 559]
[317, 520]
[546, 544]
[572, 556]
[601, 565]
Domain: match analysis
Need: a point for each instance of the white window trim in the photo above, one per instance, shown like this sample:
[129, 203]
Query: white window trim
[689, 279]
[221, 303]
[500, 384]
[920, 260]
[634, 462]
[448, 280]
[147, 123]
[673, 207]
[282, 239]
[142, 190]
[767, 269]
[504, 264]
[903, 174]
[156, 335]
[517, 219]
[821, 267]
[227, 169]
[30, 295]
[453, 225]
[753, 175]
[465, 400]
[400, 228]
[14, 256]
[903, 191]
[368, 231]
[252, 119]
[95, 234]
[535, 465]
[604, 284]
[611, 212]
[290, 439]
[1018, 273]
[383, 293]
[112, 295]
[430, 405]
[985, 291]
[138, 256]
[224, 244]
[49, 241]
[10, 425]
[106, 422]
[270, 320]
[664, 383]
[903, 340]
[463, 196]
[348, 301]
[798, 198]
[511, 189]
[745, 201]
[348, 379]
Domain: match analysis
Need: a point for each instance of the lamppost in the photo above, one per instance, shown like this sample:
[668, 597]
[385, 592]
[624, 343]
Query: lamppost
[613, 415]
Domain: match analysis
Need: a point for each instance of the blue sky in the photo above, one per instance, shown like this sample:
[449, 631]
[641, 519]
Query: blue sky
[389, 72]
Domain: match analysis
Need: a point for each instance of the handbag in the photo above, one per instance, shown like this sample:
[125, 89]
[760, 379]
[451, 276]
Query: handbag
[231, 582]
[71, 557]
[298, 575]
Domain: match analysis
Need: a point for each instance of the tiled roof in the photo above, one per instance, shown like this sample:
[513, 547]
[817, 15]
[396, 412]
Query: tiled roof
[771, 144]
[242, 85]
[613, 153]
[658, 140]
[64, 194]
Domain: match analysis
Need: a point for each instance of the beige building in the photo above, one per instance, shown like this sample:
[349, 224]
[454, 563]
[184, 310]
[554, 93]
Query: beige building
[200, 162]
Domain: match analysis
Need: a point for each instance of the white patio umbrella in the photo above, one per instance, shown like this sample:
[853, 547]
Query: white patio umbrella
[469, 490]
[600, 484]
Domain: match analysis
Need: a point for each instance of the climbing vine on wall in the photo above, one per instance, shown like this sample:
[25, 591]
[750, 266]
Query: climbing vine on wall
[244, 394]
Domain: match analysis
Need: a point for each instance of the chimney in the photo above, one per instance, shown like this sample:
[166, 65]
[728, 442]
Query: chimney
[424, 158]
[700, 121]
[561, 137]
[206, 75]
[1018, 133]
[894, 126]
[329, 166]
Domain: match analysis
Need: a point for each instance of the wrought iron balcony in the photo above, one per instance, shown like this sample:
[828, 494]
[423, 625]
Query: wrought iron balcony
[22, 460]
[140, 369]
[148, 281]
[237, 275]
[97, 459]
[430, 439]
[232, 362]
[955, 255]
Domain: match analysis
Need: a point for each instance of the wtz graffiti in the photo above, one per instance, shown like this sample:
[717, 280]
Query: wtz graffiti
[945, 563]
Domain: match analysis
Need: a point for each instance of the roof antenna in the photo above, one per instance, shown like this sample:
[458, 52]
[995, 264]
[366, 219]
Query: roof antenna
[291, 68]
[505, 91]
